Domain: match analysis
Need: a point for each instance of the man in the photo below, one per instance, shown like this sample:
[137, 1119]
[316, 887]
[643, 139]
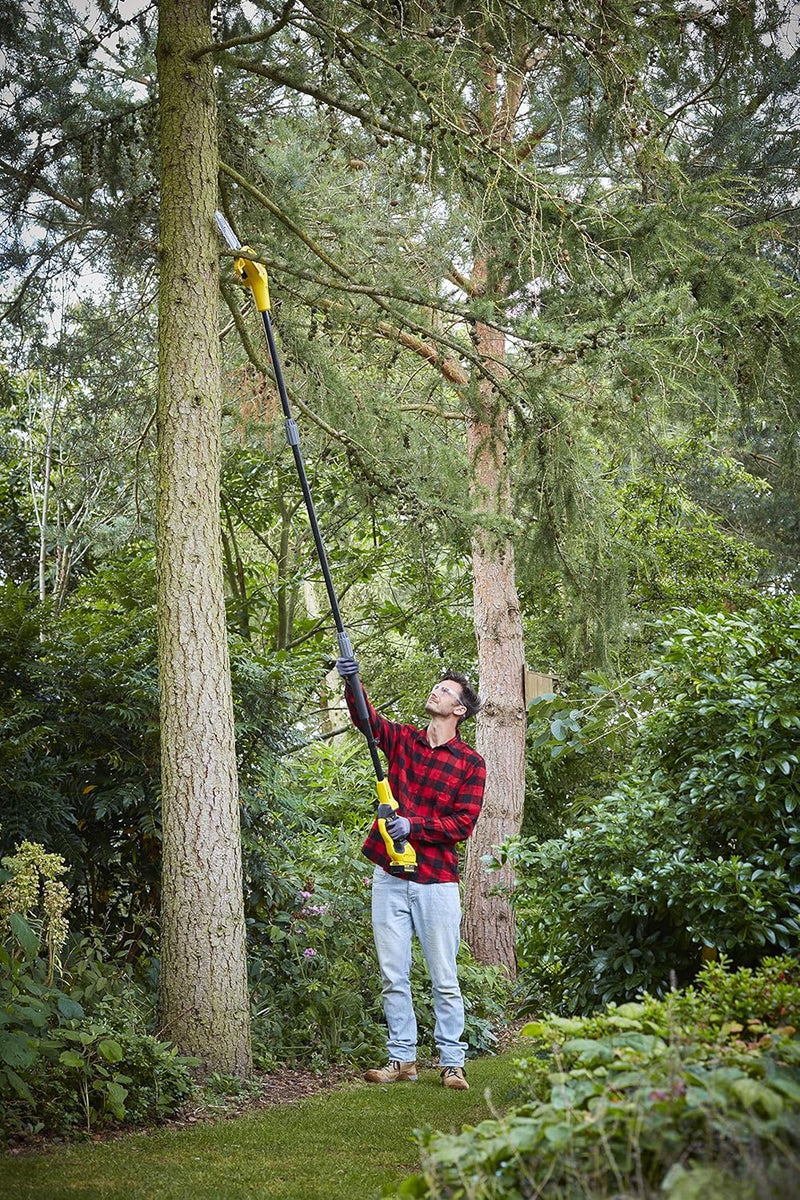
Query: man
[438, 783]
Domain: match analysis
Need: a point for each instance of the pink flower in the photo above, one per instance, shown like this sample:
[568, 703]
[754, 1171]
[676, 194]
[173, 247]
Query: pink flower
[309, 952]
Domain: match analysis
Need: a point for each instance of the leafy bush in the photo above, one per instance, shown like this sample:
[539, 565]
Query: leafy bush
[658, 1097]
[74, 1051]
[64, 1068]
[743, 1002]
[698, 851]
[79, 741]
[78, 715]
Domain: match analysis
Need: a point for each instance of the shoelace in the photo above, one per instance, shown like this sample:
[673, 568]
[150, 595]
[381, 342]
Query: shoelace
[454, 1071]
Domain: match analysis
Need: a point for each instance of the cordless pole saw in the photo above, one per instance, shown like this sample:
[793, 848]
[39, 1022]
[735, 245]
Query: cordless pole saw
[254, 274]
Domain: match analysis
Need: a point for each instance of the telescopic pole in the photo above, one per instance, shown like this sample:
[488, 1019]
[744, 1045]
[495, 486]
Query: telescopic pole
[255, 275]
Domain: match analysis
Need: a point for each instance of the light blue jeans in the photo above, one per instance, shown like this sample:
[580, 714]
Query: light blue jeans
[401, 908]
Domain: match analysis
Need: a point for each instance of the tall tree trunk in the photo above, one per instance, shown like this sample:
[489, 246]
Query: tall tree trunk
[203, 998]
[488, 917]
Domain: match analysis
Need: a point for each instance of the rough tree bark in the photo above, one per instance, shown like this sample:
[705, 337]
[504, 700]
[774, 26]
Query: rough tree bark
[488, 917]
[203, 996]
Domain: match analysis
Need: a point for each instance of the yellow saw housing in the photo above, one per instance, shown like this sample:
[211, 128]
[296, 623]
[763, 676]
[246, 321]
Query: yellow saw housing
[404, 857]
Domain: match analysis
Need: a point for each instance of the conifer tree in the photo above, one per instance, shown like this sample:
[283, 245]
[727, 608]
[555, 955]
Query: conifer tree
[204, 996]
[604, 253]
[80, 175]
[594, 181]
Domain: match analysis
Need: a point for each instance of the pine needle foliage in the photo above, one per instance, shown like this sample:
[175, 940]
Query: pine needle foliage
[631, 237]
[625, 174]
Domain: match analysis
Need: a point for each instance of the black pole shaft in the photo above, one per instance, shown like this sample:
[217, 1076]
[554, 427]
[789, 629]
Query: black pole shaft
[345, 646]
[293, 438]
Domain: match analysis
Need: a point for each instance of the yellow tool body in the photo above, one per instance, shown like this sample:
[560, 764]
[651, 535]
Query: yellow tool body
[254, 275]
[403, 854]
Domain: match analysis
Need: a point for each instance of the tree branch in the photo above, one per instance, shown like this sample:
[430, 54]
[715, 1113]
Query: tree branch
[38, 182]
[250, 39]
[260, 363]
[308, 89]
[276, 211]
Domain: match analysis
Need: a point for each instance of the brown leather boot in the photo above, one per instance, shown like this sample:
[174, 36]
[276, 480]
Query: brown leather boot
[454, 1077]
[395, 1072]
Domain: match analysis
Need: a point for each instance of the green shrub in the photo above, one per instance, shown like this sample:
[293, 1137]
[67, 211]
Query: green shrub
[79, 737]
[698, 850]
[74, 1050]
[88, 1075]
[661, 1097]
[64, 1068]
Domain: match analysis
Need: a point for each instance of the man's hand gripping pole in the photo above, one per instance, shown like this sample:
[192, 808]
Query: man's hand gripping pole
[401, 853]
[255, 276]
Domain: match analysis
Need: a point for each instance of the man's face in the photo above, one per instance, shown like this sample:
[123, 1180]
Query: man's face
[445, 700]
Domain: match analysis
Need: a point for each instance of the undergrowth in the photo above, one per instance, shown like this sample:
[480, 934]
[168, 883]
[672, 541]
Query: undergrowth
[695, 1094]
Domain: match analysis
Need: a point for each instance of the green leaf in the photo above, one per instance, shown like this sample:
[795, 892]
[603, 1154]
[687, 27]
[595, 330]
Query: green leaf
[534, 1029]
[589, 1053]
[787, 1083]
[111, 1050]
[753, 1094]
[26, 937]
[412, 1188]
[642, 1043]
[19, 1085]
[695, 1183]
[565, 1024]
[116, 1098]
[71, 1058]
[558, 1135]
[69, 1008]
[16, 1050]
[631, 1010]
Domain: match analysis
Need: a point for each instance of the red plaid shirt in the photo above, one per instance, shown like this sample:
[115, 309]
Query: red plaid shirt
[438, 788]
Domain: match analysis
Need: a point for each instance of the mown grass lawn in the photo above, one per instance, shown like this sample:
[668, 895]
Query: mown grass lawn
[347, 1143]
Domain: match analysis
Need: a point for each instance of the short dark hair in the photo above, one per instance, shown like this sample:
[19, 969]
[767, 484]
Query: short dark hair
[469, 697]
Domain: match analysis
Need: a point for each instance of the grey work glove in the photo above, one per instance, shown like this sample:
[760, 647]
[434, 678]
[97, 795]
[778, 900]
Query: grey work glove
[347, 668]
[398, 828]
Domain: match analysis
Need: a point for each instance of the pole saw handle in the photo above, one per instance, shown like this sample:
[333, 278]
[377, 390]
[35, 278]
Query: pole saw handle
[401, 853]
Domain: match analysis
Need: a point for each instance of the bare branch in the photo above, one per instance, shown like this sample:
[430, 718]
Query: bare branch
[250, 39]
